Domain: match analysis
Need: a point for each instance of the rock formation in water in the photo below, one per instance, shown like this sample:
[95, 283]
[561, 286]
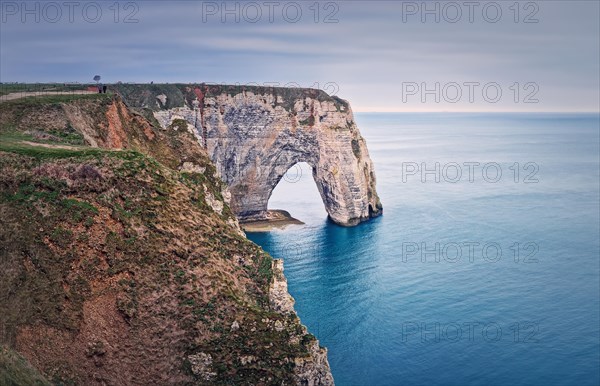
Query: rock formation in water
[121, 262]
[255, 134]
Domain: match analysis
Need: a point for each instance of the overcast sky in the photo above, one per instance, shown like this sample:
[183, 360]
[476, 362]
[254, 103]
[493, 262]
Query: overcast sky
[379, 55]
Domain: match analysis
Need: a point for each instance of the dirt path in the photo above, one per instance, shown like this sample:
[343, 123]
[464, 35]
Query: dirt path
[50, 146]
[24, 94]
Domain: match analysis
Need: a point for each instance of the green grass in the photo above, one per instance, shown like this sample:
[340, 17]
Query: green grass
[265, 270]
[40, 152]
[69, 136]
[12, 142]
[37, 87]
[52, 99]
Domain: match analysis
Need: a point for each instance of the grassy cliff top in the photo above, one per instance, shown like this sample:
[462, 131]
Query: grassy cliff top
[144, 95]
[178, 94]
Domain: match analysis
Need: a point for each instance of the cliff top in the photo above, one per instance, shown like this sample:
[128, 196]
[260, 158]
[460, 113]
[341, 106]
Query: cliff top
[178, 94]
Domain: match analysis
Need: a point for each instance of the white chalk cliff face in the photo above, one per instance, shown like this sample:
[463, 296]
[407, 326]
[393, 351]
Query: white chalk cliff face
[254, 141]
[255, 134]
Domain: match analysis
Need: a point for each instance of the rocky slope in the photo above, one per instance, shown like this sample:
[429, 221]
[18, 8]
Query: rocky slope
[16, 370]
[255, 134]
[121, 262]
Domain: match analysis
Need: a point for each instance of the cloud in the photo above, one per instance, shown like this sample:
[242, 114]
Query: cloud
[369, 52]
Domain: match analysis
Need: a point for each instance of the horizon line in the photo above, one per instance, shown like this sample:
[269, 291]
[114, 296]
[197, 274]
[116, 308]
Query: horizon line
[369, 111]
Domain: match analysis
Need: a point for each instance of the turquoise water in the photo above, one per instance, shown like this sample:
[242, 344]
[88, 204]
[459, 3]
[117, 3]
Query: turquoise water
[391, 315]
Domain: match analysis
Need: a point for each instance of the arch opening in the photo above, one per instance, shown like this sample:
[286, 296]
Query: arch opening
[297, 193]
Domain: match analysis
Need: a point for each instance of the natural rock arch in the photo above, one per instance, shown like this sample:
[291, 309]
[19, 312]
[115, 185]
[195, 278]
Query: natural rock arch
[254, 142]
[255, 134]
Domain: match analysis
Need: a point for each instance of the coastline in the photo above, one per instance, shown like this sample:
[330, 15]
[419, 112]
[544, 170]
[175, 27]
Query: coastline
[276, 219]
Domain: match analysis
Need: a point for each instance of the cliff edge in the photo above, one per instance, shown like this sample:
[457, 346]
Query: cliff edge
[121, 261]
[255, 134]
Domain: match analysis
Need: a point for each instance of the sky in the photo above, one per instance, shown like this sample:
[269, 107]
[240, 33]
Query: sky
[396, 56]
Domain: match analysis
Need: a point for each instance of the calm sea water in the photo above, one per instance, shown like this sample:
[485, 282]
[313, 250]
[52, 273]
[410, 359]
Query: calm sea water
[434, 292]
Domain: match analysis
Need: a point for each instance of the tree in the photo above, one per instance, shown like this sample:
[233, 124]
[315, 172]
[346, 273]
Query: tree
[97, 78]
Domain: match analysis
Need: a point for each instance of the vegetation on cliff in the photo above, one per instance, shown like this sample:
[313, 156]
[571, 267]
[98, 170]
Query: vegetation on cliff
[122, 263]
[16, 370]
[145, 95]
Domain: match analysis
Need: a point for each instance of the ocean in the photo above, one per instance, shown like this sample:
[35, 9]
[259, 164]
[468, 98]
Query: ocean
[484, 268]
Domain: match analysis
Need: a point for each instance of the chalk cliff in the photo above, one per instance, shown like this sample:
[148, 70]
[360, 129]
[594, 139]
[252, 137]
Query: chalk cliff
[255, 134]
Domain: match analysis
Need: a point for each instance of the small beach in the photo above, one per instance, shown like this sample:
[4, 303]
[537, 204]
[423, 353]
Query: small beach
[276, 219]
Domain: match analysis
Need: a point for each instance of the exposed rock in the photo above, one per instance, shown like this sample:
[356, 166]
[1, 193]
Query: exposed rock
[240, 259]
[314, 369]
[216, 205]
[96, 348]
[255, 134]
[233, 222]
[278, 325]
[190, 167]
[201, 366]
[162, 98]
[279, 297]
[254, 142]
[247, 359]
[167, 117]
